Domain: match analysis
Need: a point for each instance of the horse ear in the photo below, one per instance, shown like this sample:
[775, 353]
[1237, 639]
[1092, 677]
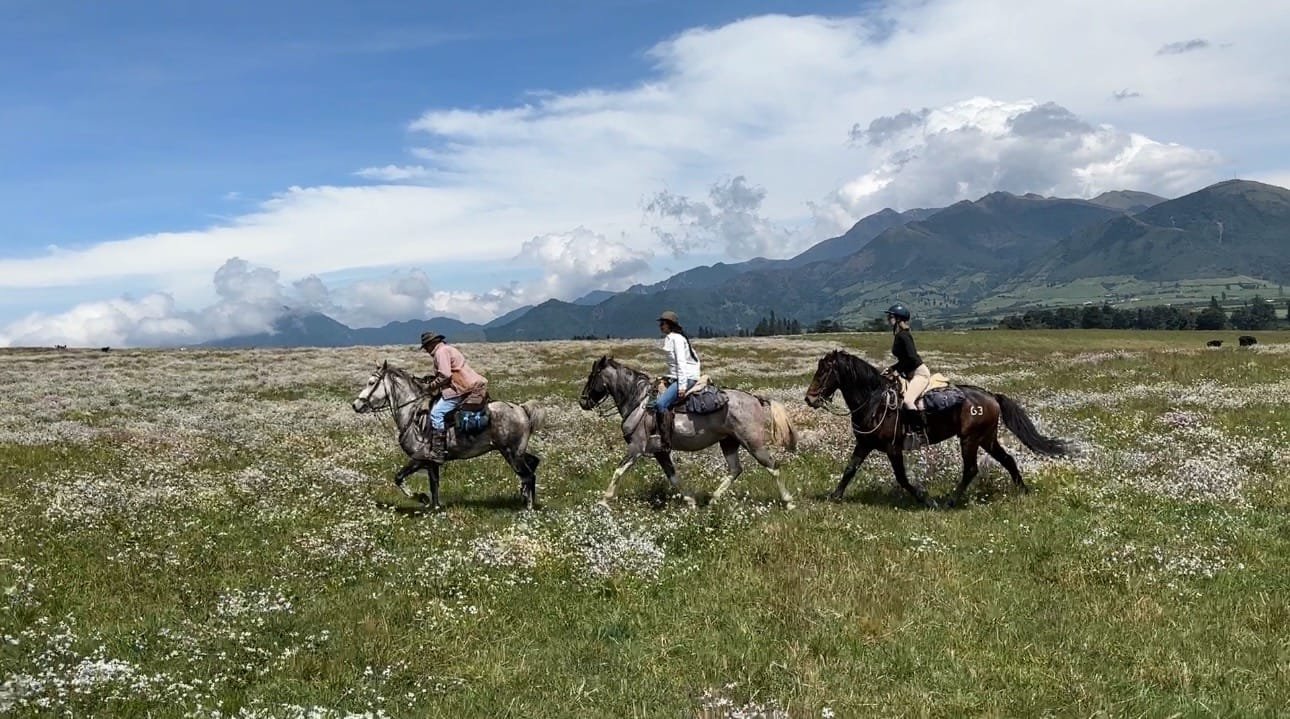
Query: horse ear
[385, 364]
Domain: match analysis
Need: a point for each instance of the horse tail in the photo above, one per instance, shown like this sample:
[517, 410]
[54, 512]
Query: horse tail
[535, 414]
[1019, 424]
[781, 429]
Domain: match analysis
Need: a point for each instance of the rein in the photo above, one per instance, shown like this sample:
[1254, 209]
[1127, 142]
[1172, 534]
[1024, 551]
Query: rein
[393, 409]
[890, 402]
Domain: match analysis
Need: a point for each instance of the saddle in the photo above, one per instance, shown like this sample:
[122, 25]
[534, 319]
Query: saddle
[703, 397]
[938, 382]
[467, 418]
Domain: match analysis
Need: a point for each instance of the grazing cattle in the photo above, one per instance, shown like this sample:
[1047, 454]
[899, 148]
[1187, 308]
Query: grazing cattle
[107, 349]
[60, 347]
[1214, 343]
[1246, 340]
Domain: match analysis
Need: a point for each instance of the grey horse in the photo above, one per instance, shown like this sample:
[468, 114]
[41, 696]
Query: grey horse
[509, 429]
[743, 422]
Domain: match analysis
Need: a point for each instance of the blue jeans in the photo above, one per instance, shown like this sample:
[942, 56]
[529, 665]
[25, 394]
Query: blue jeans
[441, 410]
[667, 397]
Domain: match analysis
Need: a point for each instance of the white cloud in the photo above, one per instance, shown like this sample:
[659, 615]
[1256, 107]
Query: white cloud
[730, 220]
[394, 173]
[578, 261]
[112, 322]
[772, 99]
[933, 157]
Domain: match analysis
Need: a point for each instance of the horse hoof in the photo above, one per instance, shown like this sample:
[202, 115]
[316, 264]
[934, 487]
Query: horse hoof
[834, 497]
[422, 498]
[790, 506]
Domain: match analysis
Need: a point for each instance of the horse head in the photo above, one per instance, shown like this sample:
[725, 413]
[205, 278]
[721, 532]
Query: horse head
[597, 387]
[375, 394]
[853, 376]
[825, 382]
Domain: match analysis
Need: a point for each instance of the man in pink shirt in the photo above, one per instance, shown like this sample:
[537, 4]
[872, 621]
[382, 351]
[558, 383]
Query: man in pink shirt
[457, 381]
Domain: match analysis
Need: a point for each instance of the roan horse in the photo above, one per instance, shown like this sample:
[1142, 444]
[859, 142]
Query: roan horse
[874, 402]
[509, 428]
[743, 422]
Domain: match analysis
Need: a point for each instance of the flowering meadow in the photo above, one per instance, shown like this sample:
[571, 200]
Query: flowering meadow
[215, 534]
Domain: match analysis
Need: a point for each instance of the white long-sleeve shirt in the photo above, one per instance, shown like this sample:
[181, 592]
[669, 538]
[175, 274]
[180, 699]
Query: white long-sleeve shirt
[680, 364]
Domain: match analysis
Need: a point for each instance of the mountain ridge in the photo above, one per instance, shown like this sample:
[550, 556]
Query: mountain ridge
[942, 261]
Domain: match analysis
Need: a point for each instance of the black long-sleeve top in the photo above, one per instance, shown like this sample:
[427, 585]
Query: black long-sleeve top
[907, 359]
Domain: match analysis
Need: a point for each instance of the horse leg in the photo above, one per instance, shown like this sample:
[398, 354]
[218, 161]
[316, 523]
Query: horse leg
[520, 465]
[897, 458]
[729, 448]
[1001, 456]
[623, 466]
[433, 470]
[858, 456]
[530, 463]
[407, 470]
[762, 455]
[669, 469]
[969, 449]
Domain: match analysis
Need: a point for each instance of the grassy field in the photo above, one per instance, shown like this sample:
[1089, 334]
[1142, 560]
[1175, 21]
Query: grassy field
[214, 534]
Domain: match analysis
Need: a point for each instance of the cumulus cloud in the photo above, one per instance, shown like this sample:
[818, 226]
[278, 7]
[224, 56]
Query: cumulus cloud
[578, 261]
[251, 298]
[772, 99]
[934, 157]
[728, 221]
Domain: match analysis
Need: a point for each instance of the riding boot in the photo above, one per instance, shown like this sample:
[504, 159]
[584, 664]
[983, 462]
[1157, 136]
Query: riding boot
[665, 430]
[915, 427]
[438, 446]
[913, 420]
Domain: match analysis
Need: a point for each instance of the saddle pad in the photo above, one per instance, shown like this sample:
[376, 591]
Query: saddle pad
[709, 400]
[943, 398]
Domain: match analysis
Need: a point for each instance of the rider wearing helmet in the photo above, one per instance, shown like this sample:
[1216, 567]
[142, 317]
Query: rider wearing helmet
[908, 365]
[682, 368]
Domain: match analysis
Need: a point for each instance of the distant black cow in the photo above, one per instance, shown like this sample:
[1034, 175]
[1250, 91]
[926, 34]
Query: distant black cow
[1246, 340]
[107, 349]
[1214, 343]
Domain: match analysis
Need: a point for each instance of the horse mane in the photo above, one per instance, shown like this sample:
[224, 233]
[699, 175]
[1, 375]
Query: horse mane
[854, 371]
[412, 379]
[634, 373]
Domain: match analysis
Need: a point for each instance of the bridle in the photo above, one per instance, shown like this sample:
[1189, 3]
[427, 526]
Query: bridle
[643, 382]
[382, 380]
[891, 401]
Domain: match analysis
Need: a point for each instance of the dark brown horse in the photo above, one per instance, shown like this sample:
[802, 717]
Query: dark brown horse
[874, 403]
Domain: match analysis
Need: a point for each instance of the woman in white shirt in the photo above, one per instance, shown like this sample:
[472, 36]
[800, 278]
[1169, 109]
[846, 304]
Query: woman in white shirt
[682, 368]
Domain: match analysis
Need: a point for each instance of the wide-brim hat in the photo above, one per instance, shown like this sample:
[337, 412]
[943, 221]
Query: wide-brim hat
[670, 316]
[429, 338]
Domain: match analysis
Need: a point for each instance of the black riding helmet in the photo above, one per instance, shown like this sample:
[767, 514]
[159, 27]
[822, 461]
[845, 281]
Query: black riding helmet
[899, 311]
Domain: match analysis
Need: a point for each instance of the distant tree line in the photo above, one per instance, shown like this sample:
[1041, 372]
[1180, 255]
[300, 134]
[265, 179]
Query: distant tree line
[770, 326]
[1258, 314]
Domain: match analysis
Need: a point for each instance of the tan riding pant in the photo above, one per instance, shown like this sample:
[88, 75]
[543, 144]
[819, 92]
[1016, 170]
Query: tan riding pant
[918, 382]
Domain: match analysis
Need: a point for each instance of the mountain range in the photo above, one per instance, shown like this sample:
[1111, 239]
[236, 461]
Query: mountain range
[959, 264]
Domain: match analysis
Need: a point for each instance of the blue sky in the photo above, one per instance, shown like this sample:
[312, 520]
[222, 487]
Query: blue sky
[455, 158]
[140, 116]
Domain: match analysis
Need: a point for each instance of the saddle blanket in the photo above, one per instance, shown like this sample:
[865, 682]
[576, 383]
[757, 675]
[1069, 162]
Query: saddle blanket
[943, 398]
[708, 400]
